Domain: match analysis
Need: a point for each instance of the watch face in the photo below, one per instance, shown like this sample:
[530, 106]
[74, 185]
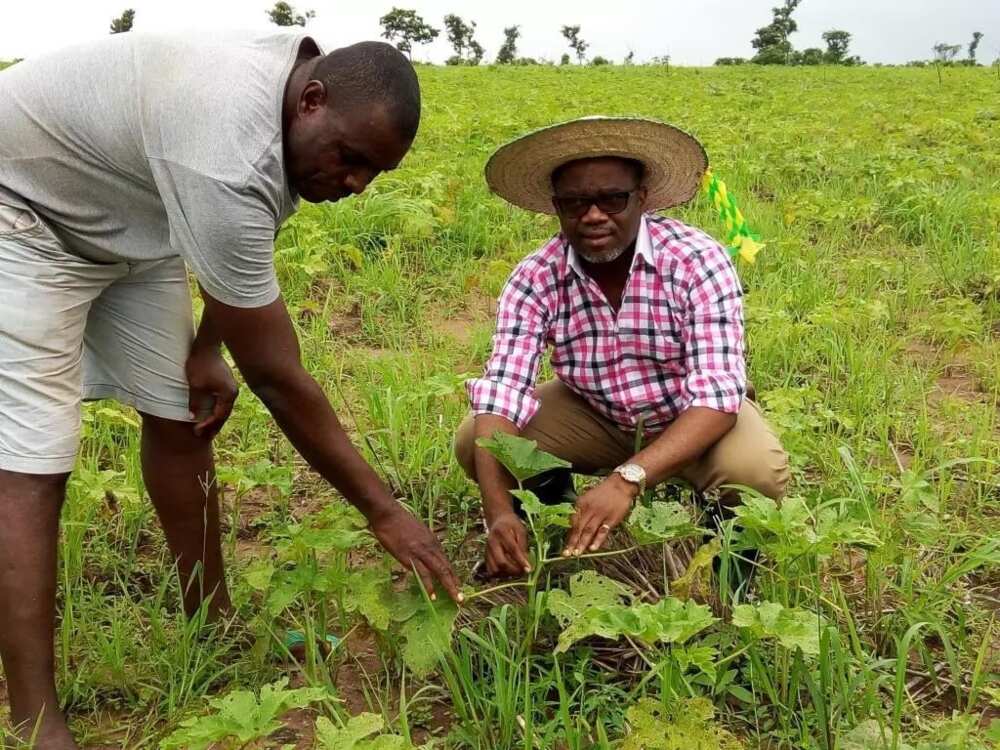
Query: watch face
[633, 473]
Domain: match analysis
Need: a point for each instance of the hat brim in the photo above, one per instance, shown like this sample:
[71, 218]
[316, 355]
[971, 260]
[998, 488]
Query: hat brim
[521, 171]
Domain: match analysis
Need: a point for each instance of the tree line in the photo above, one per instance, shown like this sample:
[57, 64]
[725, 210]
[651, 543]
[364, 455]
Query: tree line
[405, 28]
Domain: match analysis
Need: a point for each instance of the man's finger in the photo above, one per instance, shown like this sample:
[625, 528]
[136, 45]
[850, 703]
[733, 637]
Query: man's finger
[587, 534]
[601, 536]
[516, 549]
[580, 519]
[425, 577]
[500, 563]
[442, 569]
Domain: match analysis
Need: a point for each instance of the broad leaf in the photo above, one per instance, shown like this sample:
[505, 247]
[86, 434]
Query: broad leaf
[543, 516]
[427, 635]
[792, 628]
[688, 724]
[242, 716]
[595, 609]
[660, 522]
[697, 579]
[369, 591]
[521, 457]
[588, 590]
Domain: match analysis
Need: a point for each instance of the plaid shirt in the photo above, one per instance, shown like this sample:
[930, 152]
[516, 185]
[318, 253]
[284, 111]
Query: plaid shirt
[676, 342]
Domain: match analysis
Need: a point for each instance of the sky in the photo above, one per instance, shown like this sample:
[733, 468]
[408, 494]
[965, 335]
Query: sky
[691, 32]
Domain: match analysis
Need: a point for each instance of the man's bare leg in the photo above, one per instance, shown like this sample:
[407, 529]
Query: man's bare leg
[179, 472]
[30, 505]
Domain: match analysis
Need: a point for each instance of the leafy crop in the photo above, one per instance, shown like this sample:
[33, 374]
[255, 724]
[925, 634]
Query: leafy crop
[242, 716]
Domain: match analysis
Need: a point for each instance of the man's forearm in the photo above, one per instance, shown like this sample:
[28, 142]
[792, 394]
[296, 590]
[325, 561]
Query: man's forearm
[495, 482]
[302, 410]
[684, 441]
[207, 334]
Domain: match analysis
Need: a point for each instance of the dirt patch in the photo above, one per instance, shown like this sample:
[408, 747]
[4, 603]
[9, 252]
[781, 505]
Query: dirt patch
[922, 353]
[299, 731]
[347, 324]
[957, 382]
[358, 671]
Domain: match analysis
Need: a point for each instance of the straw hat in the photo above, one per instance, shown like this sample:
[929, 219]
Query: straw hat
[520, 172]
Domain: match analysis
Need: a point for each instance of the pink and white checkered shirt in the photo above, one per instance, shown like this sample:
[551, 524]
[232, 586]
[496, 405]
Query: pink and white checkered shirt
[676, 342]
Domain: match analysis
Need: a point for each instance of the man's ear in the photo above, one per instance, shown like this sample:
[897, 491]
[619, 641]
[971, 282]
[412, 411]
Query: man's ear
[642, 193]
[312, 98]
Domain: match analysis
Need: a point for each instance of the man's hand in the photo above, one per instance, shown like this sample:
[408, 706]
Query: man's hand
[599, 510]
[413, 544]
[507, 547]
[212, 390]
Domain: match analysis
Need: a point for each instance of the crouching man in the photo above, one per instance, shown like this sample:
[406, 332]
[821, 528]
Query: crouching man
[645, 322]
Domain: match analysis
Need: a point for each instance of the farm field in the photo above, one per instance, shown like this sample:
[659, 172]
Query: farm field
[869, 618]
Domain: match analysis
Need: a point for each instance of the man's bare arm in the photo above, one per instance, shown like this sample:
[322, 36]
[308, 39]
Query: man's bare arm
[265, 348]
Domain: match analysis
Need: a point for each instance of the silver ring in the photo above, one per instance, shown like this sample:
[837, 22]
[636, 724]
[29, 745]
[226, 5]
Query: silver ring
[606, 526]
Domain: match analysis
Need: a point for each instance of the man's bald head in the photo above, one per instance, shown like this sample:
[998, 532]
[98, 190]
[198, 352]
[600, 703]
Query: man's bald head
[348, 116]
[373, 73]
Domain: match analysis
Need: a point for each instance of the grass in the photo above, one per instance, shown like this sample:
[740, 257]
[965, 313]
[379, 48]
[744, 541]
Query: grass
[873, 319]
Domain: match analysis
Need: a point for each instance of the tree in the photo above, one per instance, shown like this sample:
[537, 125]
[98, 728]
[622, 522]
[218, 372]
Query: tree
[404, 28]
[811, 56]
[460, 35]
[124, 22]
[572, 34]
[944, 54]
[283, 14]
[508, 51]
[837, 43]
[629, 58]
[771, 42]
[564, 60]
[598, 60]
[974, 45]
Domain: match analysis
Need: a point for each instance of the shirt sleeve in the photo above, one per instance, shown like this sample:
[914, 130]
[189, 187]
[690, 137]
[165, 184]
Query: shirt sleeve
[713, 339]
[224, 233]
[508, 382]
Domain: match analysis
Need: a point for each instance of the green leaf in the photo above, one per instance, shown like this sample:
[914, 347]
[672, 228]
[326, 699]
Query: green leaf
[660, 522]
[258, 575]
[427, 635]
[520, 457]
[588, 590]
[868, 735]
[356, 729]
[242, 715]
[792, 628]
[369, 591]
[594, 608]
[697, 579]
[543, 516]
[357, 735]
[687, 724]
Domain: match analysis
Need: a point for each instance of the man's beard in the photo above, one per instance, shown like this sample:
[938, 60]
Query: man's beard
[603, 256]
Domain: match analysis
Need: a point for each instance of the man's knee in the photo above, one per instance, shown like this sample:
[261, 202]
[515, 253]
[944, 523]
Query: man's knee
[173, 435]
[465, 446]
[765, 472]
[19, 484]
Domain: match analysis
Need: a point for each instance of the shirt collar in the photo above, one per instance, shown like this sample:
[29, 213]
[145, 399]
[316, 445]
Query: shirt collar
[643, 249]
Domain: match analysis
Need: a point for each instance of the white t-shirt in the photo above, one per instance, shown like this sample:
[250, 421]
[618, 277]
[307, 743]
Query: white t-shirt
[144, 146]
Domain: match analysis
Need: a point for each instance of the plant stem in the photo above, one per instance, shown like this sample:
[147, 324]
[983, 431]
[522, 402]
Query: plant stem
[591, 555]
[484, 592]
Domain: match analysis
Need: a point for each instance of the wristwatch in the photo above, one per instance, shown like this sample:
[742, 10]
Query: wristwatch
[634, 474]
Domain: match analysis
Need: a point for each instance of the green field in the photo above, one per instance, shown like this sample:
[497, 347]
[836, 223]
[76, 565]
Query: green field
[873, 318]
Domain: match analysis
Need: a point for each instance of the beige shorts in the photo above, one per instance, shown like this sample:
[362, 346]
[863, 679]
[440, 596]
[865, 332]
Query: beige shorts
[74, 330]
[750, 454]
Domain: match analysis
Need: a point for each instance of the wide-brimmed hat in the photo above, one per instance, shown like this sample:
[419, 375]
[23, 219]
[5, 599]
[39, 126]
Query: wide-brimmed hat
[521, 171]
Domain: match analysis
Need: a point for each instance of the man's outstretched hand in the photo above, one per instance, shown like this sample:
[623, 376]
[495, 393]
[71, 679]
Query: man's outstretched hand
[413, 544]
[507, 547]
[212, 390]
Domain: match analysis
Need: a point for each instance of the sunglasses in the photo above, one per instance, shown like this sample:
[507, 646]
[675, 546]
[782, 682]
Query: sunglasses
[575, 206]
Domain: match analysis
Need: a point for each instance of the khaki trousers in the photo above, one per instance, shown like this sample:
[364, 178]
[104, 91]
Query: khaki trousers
[567, 426]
